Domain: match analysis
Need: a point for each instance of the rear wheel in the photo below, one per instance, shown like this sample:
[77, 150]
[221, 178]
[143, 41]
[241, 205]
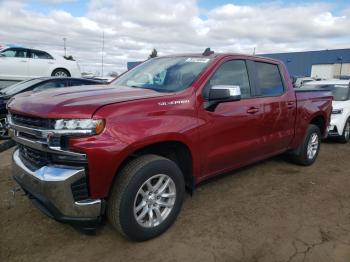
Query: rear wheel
[60, 73]
[146, 197]
[308, 151]
[345, 137]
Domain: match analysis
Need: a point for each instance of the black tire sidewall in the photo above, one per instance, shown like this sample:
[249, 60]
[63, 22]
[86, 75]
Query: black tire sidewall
[343, 137]
[60, 70]
[311, 130]
[127, 220]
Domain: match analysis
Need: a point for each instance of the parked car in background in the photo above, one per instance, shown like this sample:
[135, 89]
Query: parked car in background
[128, 149]
[340, 119]
[299, 81]
[18, 63]
[36, 84]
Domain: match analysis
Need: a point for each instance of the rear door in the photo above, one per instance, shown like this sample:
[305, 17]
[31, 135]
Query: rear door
[14, 64]
[39, 63]
[231, 134]
[278, 105]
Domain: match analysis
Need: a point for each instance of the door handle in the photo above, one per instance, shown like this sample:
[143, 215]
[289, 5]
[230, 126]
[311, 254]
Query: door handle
[23, 61]
[253, 110]
[290, 104]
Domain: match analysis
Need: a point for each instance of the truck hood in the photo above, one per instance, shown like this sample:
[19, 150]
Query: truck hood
[75, 102]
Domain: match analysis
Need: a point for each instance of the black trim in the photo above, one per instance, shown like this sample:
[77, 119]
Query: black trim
[46, 207]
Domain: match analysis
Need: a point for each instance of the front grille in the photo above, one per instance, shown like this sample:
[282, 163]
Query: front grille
[80, 189]
[35, 122]
[33, 158]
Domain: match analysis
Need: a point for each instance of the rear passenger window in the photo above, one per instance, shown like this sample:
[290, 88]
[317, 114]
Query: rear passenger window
[50, 85]
[231, 73]
[269, 80]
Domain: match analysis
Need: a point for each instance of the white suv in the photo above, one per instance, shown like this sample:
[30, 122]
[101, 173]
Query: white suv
[17, 63]
[340, 119]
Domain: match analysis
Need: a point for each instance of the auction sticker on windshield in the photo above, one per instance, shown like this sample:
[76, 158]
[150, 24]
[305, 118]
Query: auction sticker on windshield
[197, 60]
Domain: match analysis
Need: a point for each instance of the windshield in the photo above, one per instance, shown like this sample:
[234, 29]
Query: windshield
[19, 87]
[340, 92]
[167, 74]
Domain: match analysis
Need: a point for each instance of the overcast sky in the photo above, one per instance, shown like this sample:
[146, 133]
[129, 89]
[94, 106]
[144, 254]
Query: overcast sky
[133, 27]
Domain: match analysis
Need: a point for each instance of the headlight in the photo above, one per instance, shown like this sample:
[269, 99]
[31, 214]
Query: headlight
[95, 125]
[337, 111]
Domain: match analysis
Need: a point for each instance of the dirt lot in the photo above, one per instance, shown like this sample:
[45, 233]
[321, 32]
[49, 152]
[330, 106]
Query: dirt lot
[272, 211]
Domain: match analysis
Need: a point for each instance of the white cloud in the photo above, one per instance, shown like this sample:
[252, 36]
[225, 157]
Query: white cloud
[133, 27]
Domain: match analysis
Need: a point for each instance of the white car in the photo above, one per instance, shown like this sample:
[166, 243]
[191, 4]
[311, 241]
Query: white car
[340, 118]
[17, 63]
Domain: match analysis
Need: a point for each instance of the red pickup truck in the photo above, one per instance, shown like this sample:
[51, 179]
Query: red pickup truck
[130, 149]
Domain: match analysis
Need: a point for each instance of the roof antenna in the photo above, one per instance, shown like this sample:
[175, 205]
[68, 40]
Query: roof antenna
[208, 52]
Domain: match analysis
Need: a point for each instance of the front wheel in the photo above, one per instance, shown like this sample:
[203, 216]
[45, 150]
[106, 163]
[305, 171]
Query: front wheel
[308, 151]
[345, 137]
[146, 197]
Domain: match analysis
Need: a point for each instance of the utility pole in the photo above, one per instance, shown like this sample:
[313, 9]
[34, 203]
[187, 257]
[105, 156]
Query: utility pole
[103, 50]
[254, 51]
[64, 46]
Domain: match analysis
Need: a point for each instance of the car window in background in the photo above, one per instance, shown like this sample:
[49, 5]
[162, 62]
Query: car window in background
[339, 92]
[77, 82]
[166, 74]
[269, 79]
[231, 73]
[19, 87]
[52, 84]
[20, 53]
[39, 55]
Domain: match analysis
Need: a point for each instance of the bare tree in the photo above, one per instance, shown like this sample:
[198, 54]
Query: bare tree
[154, 53]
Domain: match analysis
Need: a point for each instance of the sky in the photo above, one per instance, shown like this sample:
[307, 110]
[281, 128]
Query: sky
[132, 28]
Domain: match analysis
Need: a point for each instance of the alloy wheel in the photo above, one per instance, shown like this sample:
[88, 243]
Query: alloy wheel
[312, 147]
[154, 200]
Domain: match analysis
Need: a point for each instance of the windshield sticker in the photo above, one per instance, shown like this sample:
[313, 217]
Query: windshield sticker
[177, 102]
[197, 60]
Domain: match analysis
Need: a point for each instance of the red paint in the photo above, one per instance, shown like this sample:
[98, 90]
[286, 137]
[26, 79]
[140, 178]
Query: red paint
[234, 135]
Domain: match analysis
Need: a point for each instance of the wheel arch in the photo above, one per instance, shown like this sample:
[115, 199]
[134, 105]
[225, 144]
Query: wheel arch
[60, 68]
[320, 122]
[175, 150]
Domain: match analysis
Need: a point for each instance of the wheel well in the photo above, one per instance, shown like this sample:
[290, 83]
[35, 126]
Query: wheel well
[60, 68]
[173, 150]
[320, 122]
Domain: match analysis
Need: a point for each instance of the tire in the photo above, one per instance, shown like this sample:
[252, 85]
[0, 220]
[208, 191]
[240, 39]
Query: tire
[345, 137]
[312, 141]
[60, 72]
[130, 191]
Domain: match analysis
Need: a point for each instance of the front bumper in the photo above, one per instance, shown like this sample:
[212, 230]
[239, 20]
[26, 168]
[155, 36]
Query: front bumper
[50, 189]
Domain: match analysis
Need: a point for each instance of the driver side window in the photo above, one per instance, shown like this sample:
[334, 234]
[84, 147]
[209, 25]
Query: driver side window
[231, 73]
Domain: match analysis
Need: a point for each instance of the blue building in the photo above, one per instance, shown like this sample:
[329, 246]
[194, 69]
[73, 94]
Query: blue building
[324, 63]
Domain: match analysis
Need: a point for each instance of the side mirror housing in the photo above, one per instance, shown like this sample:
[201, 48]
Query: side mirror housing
[222, 93]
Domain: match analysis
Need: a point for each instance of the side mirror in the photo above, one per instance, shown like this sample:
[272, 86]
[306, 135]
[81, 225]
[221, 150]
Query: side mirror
[225, 93]
[222, 93]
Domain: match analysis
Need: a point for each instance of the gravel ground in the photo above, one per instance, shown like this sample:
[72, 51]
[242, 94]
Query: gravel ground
[271, 211]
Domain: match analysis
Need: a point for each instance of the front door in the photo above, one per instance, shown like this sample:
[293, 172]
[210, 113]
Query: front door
[14, 64]
[230, 136]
